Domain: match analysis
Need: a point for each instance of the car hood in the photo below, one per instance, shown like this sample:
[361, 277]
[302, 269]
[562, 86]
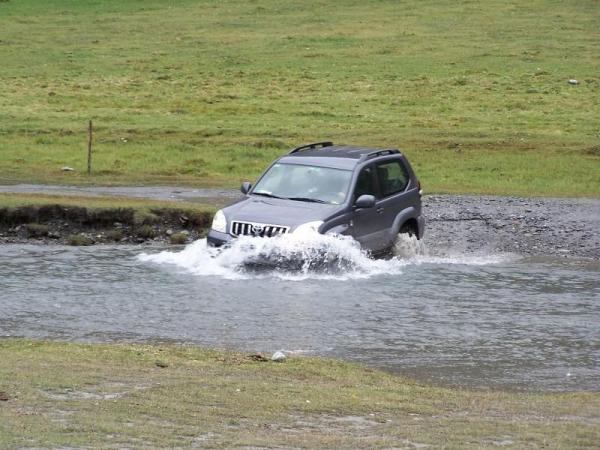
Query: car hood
[278, 211]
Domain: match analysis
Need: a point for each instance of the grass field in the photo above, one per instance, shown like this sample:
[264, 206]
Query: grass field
[207, 93]
[60, 395]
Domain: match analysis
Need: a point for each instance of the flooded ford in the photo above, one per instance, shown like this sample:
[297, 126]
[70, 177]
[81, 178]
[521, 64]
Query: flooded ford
[482, 320]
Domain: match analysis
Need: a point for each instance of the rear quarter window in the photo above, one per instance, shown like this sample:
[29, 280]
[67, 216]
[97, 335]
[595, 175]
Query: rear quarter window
[393, 177]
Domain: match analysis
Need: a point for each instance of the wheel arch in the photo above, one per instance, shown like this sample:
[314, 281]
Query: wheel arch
[407, 217]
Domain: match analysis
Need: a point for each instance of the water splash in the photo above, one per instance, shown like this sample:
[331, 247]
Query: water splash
[301, 256]
[290, 256]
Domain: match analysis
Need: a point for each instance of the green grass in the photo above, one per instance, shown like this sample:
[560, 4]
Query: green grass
[141, 396]
[141, 206]
[207, 93]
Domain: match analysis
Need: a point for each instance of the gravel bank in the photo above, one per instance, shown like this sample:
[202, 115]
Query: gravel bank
[526, 226]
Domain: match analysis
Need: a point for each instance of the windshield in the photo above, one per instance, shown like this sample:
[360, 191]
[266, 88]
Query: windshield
[305, 183]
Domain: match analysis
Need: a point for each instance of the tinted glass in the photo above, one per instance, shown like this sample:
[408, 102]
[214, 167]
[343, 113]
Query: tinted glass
[365, 184]
[305, 183]
[392, 177]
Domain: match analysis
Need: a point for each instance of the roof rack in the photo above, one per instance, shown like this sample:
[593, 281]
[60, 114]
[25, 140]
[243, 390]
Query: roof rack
[312, 146]
[377, 153]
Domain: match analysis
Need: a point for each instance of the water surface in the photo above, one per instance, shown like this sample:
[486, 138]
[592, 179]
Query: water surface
[486, 321]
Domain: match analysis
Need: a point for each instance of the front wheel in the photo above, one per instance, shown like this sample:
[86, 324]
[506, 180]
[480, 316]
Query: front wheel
[409, 229]
[407, 244]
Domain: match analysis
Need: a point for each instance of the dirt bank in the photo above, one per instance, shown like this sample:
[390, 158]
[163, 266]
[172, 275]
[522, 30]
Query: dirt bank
[48, 224]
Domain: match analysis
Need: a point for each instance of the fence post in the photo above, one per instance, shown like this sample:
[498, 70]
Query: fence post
[89, 167]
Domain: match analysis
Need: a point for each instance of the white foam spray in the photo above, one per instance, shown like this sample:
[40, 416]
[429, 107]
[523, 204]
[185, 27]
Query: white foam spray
[300, 256]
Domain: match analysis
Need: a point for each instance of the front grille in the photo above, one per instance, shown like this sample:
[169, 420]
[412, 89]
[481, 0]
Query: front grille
[257, 229]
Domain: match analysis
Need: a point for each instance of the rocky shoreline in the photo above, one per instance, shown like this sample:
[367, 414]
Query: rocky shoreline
[455, 223]
[59, 224]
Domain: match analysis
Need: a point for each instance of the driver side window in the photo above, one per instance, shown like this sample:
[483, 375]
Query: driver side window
[365, 184]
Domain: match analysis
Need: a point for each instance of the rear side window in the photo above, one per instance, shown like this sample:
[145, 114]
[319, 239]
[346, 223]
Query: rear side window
[392, 177]
[365, 184]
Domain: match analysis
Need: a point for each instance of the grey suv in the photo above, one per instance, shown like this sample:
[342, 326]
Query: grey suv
[369, 194]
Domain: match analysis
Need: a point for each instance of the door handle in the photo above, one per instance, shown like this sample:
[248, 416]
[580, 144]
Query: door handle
[380, 209]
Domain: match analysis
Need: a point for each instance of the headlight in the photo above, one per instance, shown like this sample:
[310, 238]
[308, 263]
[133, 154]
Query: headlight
[309, 227]
[219, 222]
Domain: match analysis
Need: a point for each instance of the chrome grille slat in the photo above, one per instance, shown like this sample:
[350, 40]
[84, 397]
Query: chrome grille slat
[239, 228]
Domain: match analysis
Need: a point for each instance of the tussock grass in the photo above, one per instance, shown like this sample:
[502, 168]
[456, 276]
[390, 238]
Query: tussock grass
[37, 230]
[207, 93]
[79, 240]
[104, 396]
[178, 238]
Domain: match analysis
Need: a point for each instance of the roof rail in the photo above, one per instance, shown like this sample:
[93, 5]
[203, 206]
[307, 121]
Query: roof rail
[312, 146]
[377, 153]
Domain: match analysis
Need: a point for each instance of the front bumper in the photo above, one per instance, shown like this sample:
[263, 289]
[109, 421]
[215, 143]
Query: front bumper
[218, 239]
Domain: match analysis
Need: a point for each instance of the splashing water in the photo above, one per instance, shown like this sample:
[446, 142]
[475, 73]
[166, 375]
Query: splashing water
[301, 256]
[290, 256]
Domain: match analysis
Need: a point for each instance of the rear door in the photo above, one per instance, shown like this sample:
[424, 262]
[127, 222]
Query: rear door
[393, 179]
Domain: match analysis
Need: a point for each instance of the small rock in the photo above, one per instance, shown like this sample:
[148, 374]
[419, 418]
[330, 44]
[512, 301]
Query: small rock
[186, 232]
[573, 81]
[161, 364]
[53, 235]
[68, 169]
[169, 232]
[4, 397]
[278, 356]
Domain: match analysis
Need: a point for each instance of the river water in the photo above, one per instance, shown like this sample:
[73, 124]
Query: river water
[483, 321]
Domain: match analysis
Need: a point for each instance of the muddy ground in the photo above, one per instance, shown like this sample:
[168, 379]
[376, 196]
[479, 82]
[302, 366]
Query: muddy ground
[455, 223]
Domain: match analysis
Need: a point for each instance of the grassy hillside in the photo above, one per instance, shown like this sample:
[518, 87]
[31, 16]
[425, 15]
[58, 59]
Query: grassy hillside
[207, 93]
[60, 395]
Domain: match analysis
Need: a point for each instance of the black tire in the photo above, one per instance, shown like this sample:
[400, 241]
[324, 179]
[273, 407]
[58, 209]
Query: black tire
[409, 229]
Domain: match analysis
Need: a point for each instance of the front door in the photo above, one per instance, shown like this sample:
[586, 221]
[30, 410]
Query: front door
[392, 179]
[366, 222]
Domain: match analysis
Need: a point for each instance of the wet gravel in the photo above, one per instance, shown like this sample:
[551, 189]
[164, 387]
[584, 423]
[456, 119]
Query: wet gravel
[469, 223]
[527, 226]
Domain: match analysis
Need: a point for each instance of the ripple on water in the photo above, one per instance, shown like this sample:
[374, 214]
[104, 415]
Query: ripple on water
[473, 320]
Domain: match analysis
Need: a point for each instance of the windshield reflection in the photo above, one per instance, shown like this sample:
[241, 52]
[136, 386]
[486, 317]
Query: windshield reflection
[305, 183]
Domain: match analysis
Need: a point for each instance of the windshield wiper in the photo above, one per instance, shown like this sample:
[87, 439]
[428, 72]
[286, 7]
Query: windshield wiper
[307, 199]
[267, 194]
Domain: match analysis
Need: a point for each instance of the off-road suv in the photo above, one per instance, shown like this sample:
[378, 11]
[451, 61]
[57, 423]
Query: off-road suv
[369, 194]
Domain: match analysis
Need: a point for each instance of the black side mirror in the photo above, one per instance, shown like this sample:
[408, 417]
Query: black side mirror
[246, 186]
[365, 201]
